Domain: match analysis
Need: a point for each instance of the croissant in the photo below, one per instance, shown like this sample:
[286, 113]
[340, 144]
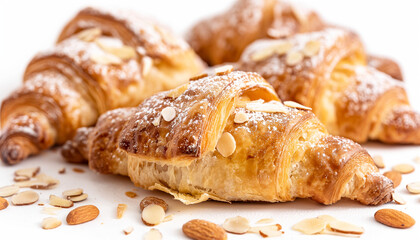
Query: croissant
[327, 71]
[102, 61]
[228, 138]
[223, 38]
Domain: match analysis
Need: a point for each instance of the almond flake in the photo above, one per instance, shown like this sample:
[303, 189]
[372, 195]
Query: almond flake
[123, 52]
[394, 176]
[243, 100]
[279, 48]
[8, 191]
[152, 215]
[311, 48]
[270, 107]
[293, 58]
[146, 65]
[79, 198]
[153, 200]
[226, 145]
[174, 93]
[62, 171]
[413, 187]
[20, 178]
[78, 170]
[403, 168]
[105, 59]
[50, 223]
[328, 231]
[73, 192]
[417, 159]
[270, 233]
[237, 225]
[128, 230]
[223, 70]
[168, 218]
[240, 117]
[131, 194]
[293, 104]
[89, 35]
[153, 234]
[121, 210]
[379, 161]
[311, 226]
[344, 227]
[156, 121]
[51, 210]
[3, 203]
[168, 113]
[43, 181]
[274, 227]
[28, 172]
[398, 199]
[265, 221]
[60, 202]
[25, 198]
[202, 75]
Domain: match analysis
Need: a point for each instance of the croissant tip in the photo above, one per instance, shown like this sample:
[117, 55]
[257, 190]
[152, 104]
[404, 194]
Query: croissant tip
[12, 153]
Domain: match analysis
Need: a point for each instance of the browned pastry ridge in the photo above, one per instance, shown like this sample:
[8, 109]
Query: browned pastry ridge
[223, 38]
[228, 137]
[103, 60]
[327, 71]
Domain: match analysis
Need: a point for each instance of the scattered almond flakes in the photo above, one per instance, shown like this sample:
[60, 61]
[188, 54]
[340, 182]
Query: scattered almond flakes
[62, 171]
[311, 48]
[131, 194]
[403, 168]
[60, 202]
[79, 198]
[156, 121]
[50, 210]
[202, 75]
[89, 35]
[226, 145]
[168, 218]
[121, 210]
[293, 58]
[326, 224]
[50, 223]
[20, 178]
[265, 221]
[72, 192]
[270, 107]
[237, 225]
[105, 59]
[310, 226]
[413, 187]
[279, 48]
[153, 234]
[240, 117]
[146, 65]
[168, 113]
[128, 230]
[123, 52]
[78, 170]
[174, 93]
[398, 198]
[223, 70]
[394, 176]
[417, 159]
[265, 228]
[25, 198]
[152, 215]
[8, 191]
[28, 172]
[379, 161]
[293, 104]
[153, 200]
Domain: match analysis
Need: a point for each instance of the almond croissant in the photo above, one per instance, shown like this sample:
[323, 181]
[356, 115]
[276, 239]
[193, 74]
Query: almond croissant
[327, 71]
[223, 38]
[229, 138]
[102, 61]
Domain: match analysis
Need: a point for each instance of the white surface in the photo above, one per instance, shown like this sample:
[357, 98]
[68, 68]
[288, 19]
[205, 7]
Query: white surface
[390, 28]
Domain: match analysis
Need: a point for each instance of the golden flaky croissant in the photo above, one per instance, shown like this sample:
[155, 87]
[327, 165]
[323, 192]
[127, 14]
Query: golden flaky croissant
[103, 60]
[327, 71]
[229, 138]
[223, 38]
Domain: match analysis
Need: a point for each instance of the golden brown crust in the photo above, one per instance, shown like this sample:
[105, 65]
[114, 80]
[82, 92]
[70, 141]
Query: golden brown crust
[279, 155]
[88, 73]
[350, 98]
[386, 65]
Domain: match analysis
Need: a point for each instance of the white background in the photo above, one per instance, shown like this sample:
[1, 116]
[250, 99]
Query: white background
[390, 28]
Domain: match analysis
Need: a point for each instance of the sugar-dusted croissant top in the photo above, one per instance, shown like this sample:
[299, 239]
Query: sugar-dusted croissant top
[227, 137]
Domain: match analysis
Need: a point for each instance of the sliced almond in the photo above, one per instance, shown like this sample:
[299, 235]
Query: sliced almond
[43, 181]
[105, 59]
[62, 171]
[153, 234]
[174, 93]
[51, 210]
[398, 199]
[156, 121]
[327, 218]
[79, 198]
[244, 100]
[345, 227]
[223, 70]
[202, 75]
[131, 194]
[240, 117]
[50, 223]
[293, 58]
[311, 226]
[293, 104]
[128, 230]
[28, 172]
[203, 230]
[270, 107]
[89, 35]
[394, 176]
[3, 203]
[311, 48]
[25, 198]
[394, 218]
[413, 187]
[267, 233]
[265, 228]
[226, 145]
[168, 113]
[8, 191]
[279, 48]
[265, 221]
[153, 200]
[379, 161]
[82, 214]
[404, 168]
[168, 218]
[72, 192]
[328, 231]
[78, 170]
[152, 215]
[121, 210]
[146, 65]
[237, 225]
[417, 159]
[60, 202]
[20, 178]
[123, 52]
